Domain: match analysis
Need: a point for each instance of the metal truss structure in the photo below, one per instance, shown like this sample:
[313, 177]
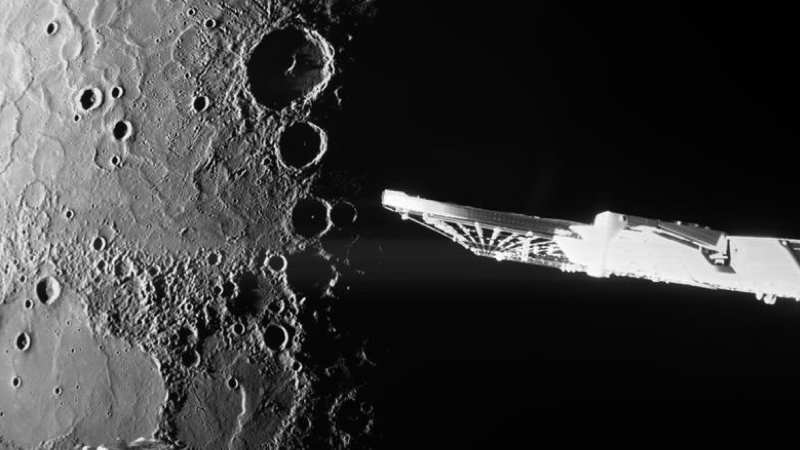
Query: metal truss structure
[617, 244]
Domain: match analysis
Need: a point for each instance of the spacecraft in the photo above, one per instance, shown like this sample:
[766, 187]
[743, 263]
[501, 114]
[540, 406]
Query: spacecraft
[617, 244]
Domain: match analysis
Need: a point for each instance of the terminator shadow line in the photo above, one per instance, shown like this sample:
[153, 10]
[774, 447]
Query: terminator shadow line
[617, 244]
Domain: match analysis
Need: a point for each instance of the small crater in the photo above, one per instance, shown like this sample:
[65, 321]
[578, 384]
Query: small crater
[343, 214]
[28, 304]
[34, 195]
[90, 99]
[23, 341]
[123, 268]
[310, 217]
[190, 358]
[48, 289]
[210, 23]
[200, 103]
[115, 161]
[57, 391]
[238, 328]
[117, 92]
[288, 65]
[16, 382]
[185, 336]
[99, 243]
[122, 130]
[233, 383]
[276, 307]
[52, 28]
[213, 258]
[228, 289]
[350, 418]
[309, 273]
[277, 263]
[374, 351]
[303, 423]
[191, 12]
[69, 214]
[302, 145]
[275, 337]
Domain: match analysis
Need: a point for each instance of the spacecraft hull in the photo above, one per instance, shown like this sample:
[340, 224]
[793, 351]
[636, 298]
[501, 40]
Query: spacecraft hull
[617, 244]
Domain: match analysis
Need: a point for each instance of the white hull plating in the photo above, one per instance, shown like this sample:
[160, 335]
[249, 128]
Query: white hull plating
[617, 244]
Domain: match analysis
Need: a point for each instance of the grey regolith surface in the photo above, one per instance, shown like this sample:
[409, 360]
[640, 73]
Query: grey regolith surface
[152, 153]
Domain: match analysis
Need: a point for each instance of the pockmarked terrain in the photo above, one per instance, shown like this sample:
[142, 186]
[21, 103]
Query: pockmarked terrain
[157, 160]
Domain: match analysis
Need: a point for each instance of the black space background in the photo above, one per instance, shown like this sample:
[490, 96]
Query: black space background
[666, 110]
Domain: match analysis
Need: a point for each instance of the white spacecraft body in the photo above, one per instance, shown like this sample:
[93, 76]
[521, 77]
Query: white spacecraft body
[617, 244]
